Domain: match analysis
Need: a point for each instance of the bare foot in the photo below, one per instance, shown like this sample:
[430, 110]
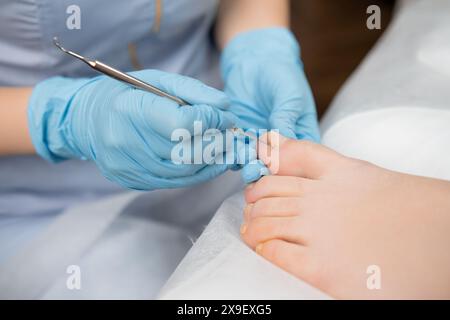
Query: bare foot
[350, 228]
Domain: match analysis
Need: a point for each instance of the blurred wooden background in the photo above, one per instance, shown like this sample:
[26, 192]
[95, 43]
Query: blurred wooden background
[334, 39]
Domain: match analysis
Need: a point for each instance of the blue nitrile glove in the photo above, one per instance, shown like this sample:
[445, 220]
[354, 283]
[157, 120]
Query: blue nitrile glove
[268, 89]
[126, 131]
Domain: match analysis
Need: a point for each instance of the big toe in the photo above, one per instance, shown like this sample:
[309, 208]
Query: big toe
[299, 158]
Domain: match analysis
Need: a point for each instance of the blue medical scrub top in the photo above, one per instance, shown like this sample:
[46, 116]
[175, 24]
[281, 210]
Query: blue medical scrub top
[170, 35]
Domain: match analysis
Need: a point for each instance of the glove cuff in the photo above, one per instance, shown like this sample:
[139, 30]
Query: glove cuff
[47, 117]
[269, 43]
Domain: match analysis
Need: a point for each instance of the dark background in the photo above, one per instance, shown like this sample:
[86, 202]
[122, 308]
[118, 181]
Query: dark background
[334, 39]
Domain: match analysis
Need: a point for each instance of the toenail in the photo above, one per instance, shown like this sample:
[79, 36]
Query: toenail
[243, 228]
[259, 248]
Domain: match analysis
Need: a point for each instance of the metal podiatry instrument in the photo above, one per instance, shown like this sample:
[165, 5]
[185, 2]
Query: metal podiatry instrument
[119, 75]
[132, 81]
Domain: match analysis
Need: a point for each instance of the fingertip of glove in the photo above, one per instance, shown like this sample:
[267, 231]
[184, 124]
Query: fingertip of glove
[285, 131]
[254, 171]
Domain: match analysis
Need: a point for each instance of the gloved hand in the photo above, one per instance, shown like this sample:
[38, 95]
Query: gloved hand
[126, 131]
[268, 89]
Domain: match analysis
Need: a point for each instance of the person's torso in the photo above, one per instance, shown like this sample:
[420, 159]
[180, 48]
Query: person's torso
[170, 35]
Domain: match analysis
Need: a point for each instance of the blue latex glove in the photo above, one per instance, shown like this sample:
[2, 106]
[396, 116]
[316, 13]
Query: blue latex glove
[126, 131]
[268, 89]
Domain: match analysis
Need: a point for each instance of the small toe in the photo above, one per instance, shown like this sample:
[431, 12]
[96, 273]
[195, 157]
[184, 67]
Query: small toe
[293, 258]
[263, 229]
